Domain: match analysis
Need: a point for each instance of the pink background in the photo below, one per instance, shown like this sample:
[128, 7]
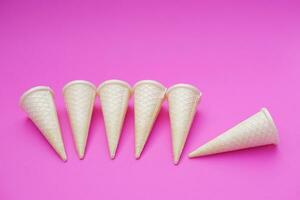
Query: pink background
[242, 56]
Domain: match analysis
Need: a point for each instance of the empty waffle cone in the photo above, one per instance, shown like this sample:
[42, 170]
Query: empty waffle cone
[183, 100]
[257, 130]
[148, 98]
[79, 98]
[39, 105]
[114, 96]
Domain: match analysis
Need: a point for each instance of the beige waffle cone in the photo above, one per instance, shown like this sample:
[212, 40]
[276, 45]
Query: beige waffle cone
[39, 105]
[114, 97]
[257, 130]
[183, 100]
[79, 98]
[148, 98]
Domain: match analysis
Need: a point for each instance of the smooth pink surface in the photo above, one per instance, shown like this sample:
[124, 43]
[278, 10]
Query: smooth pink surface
[242, 56]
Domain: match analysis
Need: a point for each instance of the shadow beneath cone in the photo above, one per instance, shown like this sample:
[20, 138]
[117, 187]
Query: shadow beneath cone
[263, 153]
[95, 119]
[127, 131]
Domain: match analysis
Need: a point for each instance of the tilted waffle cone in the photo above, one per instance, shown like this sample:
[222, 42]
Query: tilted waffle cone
[38, 103]
[79, 98]
[148, 98]
[257, 130]
[114, 96]
[183, 100]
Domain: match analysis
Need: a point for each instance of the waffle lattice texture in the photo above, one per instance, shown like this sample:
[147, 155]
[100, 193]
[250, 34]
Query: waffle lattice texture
[183, 102]
[40, 107]
[148, 98]
[257, 130]
[79, 99]
[114, 99]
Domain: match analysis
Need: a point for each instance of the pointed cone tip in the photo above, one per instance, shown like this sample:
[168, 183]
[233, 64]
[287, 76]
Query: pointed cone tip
[112, 156]
[197, 153]
[201, 151]
[63, 156]
[177, 151]
[81, 156]
[137, 157]
[112, 150]
[192, 155]
[175, 162]
[80, 152]
[137, 154]
[138, 151]
[176, 159]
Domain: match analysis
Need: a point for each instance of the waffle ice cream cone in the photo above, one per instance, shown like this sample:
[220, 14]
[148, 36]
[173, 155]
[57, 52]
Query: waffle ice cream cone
[148, 98]
[183, 100]
[79, 98]
[38, 103]
[114, 96]
[257, 130]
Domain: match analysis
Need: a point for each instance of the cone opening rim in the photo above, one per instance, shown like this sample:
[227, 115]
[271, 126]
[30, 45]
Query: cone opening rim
[156, 83]
[114, 81]
[270, 119]
[184, 85]
[35, 89]
[75, 82]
